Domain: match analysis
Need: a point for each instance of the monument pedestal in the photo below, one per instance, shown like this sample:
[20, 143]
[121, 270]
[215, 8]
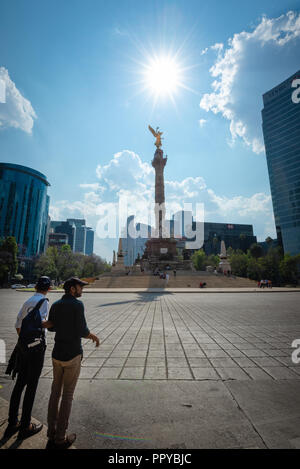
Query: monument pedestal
[161, 254]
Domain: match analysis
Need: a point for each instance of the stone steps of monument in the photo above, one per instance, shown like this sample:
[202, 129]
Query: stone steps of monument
[180, 281]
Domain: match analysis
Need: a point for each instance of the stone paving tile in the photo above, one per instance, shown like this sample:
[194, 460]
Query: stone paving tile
[195, 354]
[93, 362]
[257, 373]
[156, 361]
[205, 373]
[138, 354]
[265, 361]
[216, 354]
[108, 373]
[199, 362]
[88, 372]
[232, 373]
[245, 362]
[177, 354]
[228, 347]
[132, 373]
[246, 347]
[274, 352]
[281, 372]
[46, 370]
[211, 347]
[287, 361]
[179, 373]
[235, 354]
[95, 354]
[115, 361]
[159, 354]
[254, 353]
[223, 363]
[177, 362]
[134, 361]
[155, 372]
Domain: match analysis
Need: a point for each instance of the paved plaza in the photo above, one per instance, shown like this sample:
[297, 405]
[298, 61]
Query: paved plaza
[180, 370]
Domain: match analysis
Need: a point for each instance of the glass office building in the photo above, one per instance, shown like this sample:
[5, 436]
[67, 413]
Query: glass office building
[24, 206]
[281, 129]
[80, 236]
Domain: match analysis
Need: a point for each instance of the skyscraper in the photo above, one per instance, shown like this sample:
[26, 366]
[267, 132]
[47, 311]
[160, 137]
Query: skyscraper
[89, 241]
[281, 129]
[80, 237]
[24, 205]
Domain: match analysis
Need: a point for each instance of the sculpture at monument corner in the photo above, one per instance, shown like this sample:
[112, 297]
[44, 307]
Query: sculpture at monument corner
[223, 254]
[224, 265]
[157, 134]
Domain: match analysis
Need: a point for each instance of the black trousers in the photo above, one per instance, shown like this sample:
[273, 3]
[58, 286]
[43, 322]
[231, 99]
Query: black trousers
[31, 366]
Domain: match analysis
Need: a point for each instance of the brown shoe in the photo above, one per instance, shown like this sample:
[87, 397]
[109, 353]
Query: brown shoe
[69, 440]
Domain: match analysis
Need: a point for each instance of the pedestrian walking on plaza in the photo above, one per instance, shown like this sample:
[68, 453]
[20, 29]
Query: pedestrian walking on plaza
[167, 278]
[69, 324]
[174, 272]
[28, 359]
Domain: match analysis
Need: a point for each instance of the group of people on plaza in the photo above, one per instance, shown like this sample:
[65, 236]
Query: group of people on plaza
[264, 283]
[66, 318]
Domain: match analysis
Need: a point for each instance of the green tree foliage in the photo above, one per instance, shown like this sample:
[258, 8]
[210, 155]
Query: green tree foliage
[63, 263]
[239, 263]
[288, 268]
[199, 259]
[254, 270]
[213, 260]
[256, 250]
[8, 258]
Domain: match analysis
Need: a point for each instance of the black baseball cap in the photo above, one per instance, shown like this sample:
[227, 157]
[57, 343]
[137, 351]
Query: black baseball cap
[43, 283]
[72, 282]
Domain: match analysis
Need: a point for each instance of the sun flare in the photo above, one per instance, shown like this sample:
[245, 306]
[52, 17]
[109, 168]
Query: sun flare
[162, 76]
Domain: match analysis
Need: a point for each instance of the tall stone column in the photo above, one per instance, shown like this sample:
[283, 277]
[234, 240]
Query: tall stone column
[159, 163]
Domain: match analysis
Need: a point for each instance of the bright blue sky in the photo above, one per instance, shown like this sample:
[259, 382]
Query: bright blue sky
[77, 63]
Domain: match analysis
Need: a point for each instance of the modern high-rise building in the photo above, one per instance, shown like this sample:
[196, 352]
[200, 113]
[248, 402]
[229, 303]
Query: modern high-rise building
[134, 247]
[79, 236]
[24, 206]
[89, 241]
[281, 129]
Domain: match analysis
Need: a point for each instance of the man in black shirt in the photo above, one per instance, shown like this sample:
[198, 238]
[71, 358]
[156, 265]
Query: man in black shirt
[67, 317]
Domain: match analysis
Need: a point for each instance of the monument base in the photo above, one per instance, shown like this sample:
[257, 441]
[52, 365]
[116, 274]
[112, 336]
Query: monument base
[161, 254]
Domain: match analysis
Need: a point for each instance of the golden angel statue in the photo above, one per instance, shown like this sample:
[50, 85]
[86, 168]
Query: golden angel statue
[157, 135]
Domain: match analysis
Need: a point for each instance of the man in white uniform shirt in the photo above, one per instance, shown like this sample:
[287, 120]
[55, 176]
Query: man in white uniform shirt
[29, 369]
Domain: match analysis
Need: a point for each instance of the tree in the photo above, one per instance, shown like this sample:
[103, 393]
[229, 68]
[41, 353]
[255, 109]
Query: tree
[45, 265]
[8, 258]
[213, 259]
[270, 265]
[60, 264]
[239, 263]
[230, 251]
[254, 270]
[256, 250]
[199, 260]
[288, 268]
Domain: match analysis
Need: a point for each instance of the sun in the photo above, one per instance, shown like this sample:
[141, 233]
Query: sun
[162, 76]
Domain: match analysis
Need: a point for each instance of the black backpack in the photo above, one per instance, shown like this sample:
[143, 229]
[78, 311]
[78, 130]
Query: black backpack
[32, 336]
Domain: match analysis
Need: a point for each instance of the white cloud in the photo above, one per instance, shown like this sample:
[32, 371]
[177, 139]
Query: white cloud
[202, 122]
[252, 64]
[95, 187]
[15, 110]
